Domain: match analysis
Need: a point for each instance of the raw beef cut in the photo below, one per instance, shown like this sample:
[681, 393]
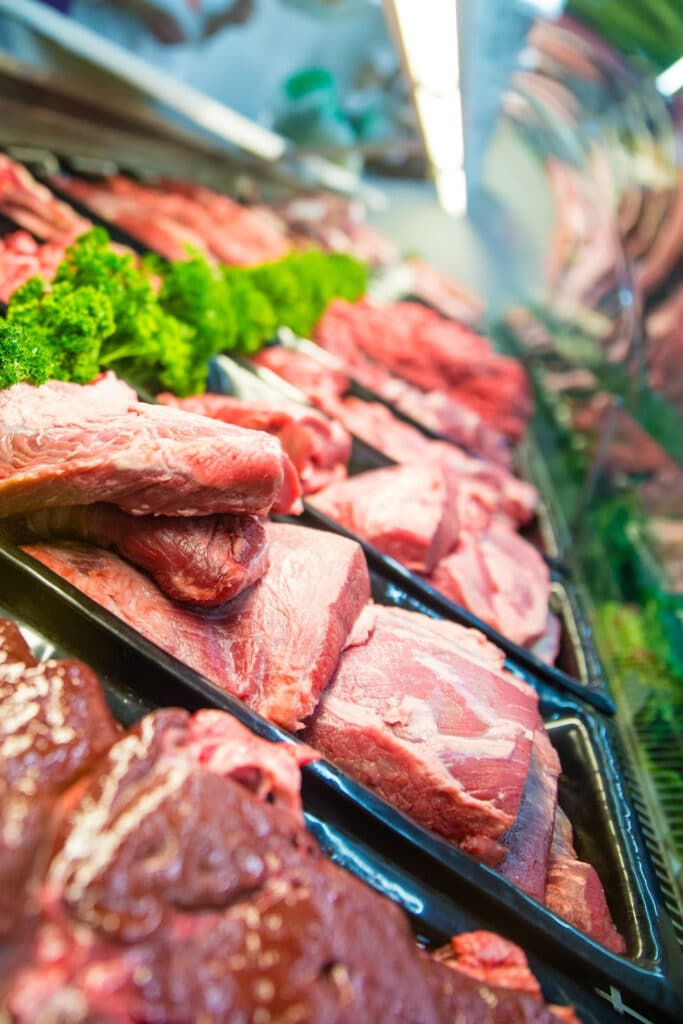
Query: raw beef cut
[318, 447]
[433, 354]
[275, 646]
[33, 207]
[574, 891]
[67, 444]
[484, 486]
[433, 725]
[174, 216]
[178, 883]
[406, 512]
[202, 561]
[499, 577]
[319, 380]
[21, 258]
[325, 377]
[529, 840]
[54, 723]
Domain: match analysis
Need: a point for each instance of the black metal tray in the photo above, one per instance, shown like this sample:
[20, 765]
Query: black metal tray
[397, 856]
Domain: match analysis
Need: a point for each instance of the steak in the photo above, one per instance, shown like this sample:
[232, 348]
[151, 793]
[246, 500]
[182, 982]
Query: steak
[574, 890]
[319, 380]
[67, 444]
[433, 354]
[500, 578]
[483, 487]
[180, 884]
[407, 512]
[318, 447]
[424, 714]
[202, 561]
[275, 646]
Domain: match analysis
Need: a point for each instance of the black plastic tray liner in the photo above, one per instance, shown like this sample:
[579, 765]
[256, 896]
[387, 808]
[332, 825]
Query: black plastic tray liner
[399, 855]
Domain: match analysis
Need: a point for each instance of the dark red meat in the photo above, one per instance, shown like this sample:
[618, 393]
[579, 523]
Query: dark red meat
[318, 447]
[574, 891]
[423, 713]
[202, 561]
[65, 444]
[407, 512]
[275, 646]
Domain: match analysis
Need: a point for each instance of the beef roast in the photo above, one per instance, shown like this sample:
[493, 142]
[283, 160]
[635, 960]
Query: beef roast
[574, 890]
[499, 577]
[407, 512]
[318, 447]
[427, 718]
[202, 561]
[482, 485]
[274, 646]
[174, 892]
[67, 444]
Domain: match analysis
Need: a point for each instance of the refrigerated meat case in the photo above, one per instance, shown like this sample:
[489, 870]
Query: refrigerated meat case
[602, 339]
[52, 129]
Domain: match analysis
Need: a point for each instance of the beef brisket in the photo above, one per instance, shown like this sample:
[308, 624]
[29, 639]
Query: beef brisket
[407, 512]
[428, 719]
[274, 646]
[202, 561]
[65, 444]
[318, 447]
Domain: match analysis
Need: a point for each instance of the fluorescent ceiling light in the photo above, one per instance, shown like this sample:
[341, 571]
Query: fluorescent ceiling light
[429, 30]
[451, 186]
[441, 120]
[671, 80]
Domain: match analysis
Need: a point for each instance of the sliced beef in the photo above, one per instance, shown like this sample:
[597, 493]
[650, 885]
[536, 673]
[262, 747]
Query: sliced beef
[426, 717]
[528, 842]
[202, 561]
[275, 646]
[318, 447]
[499, 577]
[574, 891]
[407, 512]
[67, 444]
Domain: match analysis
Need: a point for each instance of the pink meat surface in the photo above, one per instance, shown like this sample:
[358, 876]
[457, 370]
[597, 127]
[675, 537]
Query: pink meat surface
[201, 561]
[574, 891]
[319, 381]
[485, 487]
[529, 840]
[499, 577]
[433, 354]
[275, 646]
[33, 207]
[318, 447]
[67, 444]
[407, 512]
[424, 716]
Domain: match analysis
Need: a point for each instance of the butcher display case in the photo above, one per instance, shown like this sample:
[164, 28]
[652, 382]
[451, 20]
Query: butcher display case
[599, 339]
[602, 340]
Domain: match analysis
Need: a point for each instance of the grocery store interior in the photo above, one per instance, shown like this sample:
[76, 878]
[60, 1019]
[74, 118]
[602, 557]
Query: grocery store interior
[341, 511]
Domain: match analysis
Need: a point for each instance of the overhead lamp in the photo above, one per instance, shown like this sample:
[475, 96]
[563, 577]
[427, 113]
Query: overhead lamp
[451, 187]
[429, 34]
[671, 80]
[441, 121]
